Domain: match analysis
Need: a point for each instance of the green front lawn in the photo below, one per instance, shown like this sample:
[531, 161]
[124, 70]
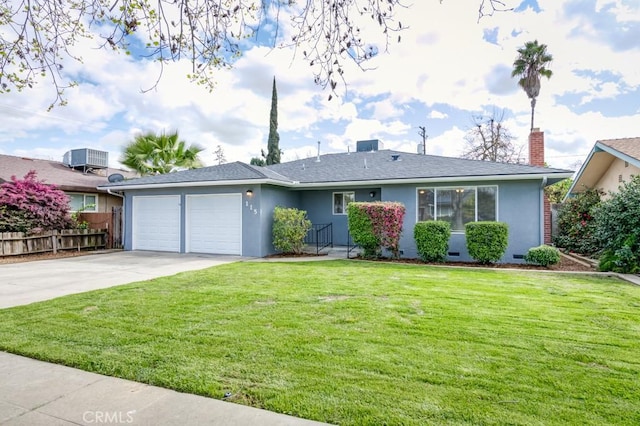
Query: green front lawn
[361, 343]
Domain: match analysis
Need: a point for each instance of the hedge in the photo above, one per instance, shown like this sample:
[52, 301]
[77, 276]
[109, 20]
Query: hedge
[486, 241]
[432, 239]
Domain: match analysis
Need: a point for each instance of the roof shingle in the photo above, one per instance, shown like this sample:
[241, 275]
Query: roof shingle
[627, 146]
[380, 165]
[385, 165]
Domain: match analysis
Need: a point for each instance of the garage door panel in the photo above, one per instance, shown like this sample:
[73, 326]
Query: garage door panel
[156, 223]
[214, 223]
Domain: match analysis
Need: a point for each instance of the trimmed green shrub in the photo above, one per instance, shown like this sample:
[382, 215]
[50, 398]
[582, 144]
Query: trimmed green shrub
[432, 239]
[618, 229]
[361, 230]
[375, 226]
[576, 223]
[290, 226]
[486, 241]
[543, 255]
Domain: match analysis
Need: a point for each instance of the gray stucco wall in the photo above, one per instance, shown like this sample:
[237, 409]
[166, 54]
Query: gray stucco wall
[519, 205]
[319, 207]
[521, 208]
[271, 197]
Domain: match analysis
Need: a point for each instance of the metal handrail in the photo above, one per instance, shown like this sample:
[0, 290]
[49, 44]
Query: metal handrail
[350, 246]
[321, 235]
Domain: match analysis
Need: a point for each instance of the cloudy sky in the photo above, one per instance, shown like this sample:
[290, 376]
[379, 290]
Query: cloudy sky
[448, 68]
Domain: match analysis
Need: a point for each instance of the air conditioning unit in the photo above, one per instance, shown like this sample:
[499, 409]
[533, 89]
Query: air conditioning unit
[86, 158]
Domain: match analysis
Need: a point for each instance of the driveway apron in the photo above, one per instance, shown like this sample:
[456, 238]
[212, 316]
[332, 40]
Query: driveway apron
[28, 282]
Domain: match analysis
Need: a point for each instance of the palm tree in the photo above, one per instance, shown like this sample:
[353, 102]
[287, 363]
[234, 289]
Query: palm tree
[157, 154]
[529, 66]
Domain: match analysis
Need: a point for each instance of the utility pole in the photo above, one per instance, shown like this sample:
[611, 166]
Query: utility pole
[423, 134]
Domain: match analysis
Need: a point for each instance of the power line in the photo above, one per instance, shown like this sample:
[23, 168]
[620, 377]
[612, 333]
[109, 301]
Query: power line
[565, 156]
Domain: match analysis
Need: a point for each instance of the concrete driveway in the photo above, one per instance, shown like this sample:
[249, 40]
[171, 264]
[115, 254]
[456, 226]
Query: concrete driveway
[28, 282]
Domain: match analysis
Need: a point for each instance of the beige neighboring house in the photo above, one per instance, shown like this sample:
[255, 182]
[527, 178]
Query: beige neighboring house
[610, 163]
[79, 174]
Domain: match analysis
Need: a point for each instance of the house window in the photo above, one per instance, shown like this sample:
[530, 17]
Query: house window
[83, 202]
[458, 206]
[340, 201]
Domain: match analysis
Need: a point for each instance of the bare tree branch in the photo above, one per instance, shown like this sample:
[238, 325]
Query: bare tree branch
[490, 140]
[489, 7]
[37, 36]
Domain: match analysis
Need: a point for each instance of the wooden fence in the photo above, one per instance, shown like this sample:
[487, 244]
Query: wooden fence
[19, 243]
[110, 221]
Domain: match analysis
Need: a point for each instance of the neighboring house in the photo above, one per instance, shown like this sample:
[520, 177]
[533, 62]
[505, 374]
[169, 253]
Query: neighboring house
[78, 175]
[610, 163]
[228, 209]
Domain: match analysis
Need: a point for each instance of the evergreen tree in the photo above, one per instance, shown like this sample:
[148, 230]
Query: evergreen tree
[273, 148]
[257, 161]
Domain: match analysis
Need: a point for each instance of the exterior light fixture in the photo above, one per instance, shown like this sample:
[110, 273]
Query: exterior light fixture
[249, 193]
[372, 194]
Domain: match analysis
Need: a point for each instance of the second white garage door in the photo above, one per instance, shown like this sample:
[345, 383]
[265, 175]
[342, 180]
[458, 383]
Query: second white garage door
[214, 224]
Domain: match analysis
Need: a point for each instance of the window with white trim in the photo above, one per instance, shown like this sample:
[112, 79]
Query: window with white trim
[341, 200]
[83, 202]
[458, 205]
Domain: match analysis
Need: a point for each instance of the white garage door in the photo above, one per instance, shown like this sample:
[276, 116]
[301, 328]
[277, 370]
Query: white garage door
[214, 223]
[156, 223]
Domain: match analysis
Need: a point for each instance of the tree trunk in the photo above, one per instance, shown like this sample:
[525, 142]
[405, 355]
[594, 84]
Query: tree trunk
[533, 107]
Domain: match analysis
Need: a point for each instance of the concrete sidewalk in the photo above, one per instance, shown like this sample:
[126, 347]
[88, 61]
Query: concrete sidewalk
[34, 393]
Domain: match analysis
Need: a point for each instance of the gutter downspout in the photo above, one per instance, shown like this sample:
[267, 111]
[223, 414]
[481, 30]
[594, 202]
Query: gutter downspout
[542, 212]
[124, 210]
[114, 193]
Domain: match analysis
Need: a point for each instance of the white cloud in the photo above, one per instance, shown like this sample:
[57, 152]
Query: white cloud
[437, 115]
[442, 70]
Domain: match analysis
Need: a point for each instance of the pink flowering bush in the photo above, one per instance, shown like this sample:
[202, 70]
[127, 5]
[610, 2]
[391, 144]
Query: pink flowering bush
[29, 205]
[376, 225]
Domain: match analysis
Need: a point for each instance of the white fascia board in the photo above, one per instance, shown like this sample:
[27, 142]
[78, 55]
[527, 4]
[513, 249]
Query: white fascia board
[298, 185]
[533, 176]
[198, 184]
[579, 173]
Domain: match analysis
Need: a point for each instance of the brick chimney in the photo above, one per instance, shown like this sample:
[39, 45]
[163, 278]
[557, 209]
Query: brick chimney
[536, 148]
[536, 158]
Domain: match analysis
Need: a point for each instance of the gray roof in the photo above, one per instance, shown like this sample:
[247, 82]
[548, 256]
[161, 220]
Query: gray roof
[385, 165]
[380, 165]
[236, 171]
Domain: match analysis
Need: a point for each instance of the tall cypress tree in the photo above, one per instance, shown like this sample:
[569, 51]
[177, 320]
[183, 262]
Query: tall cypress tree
[273, 148]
